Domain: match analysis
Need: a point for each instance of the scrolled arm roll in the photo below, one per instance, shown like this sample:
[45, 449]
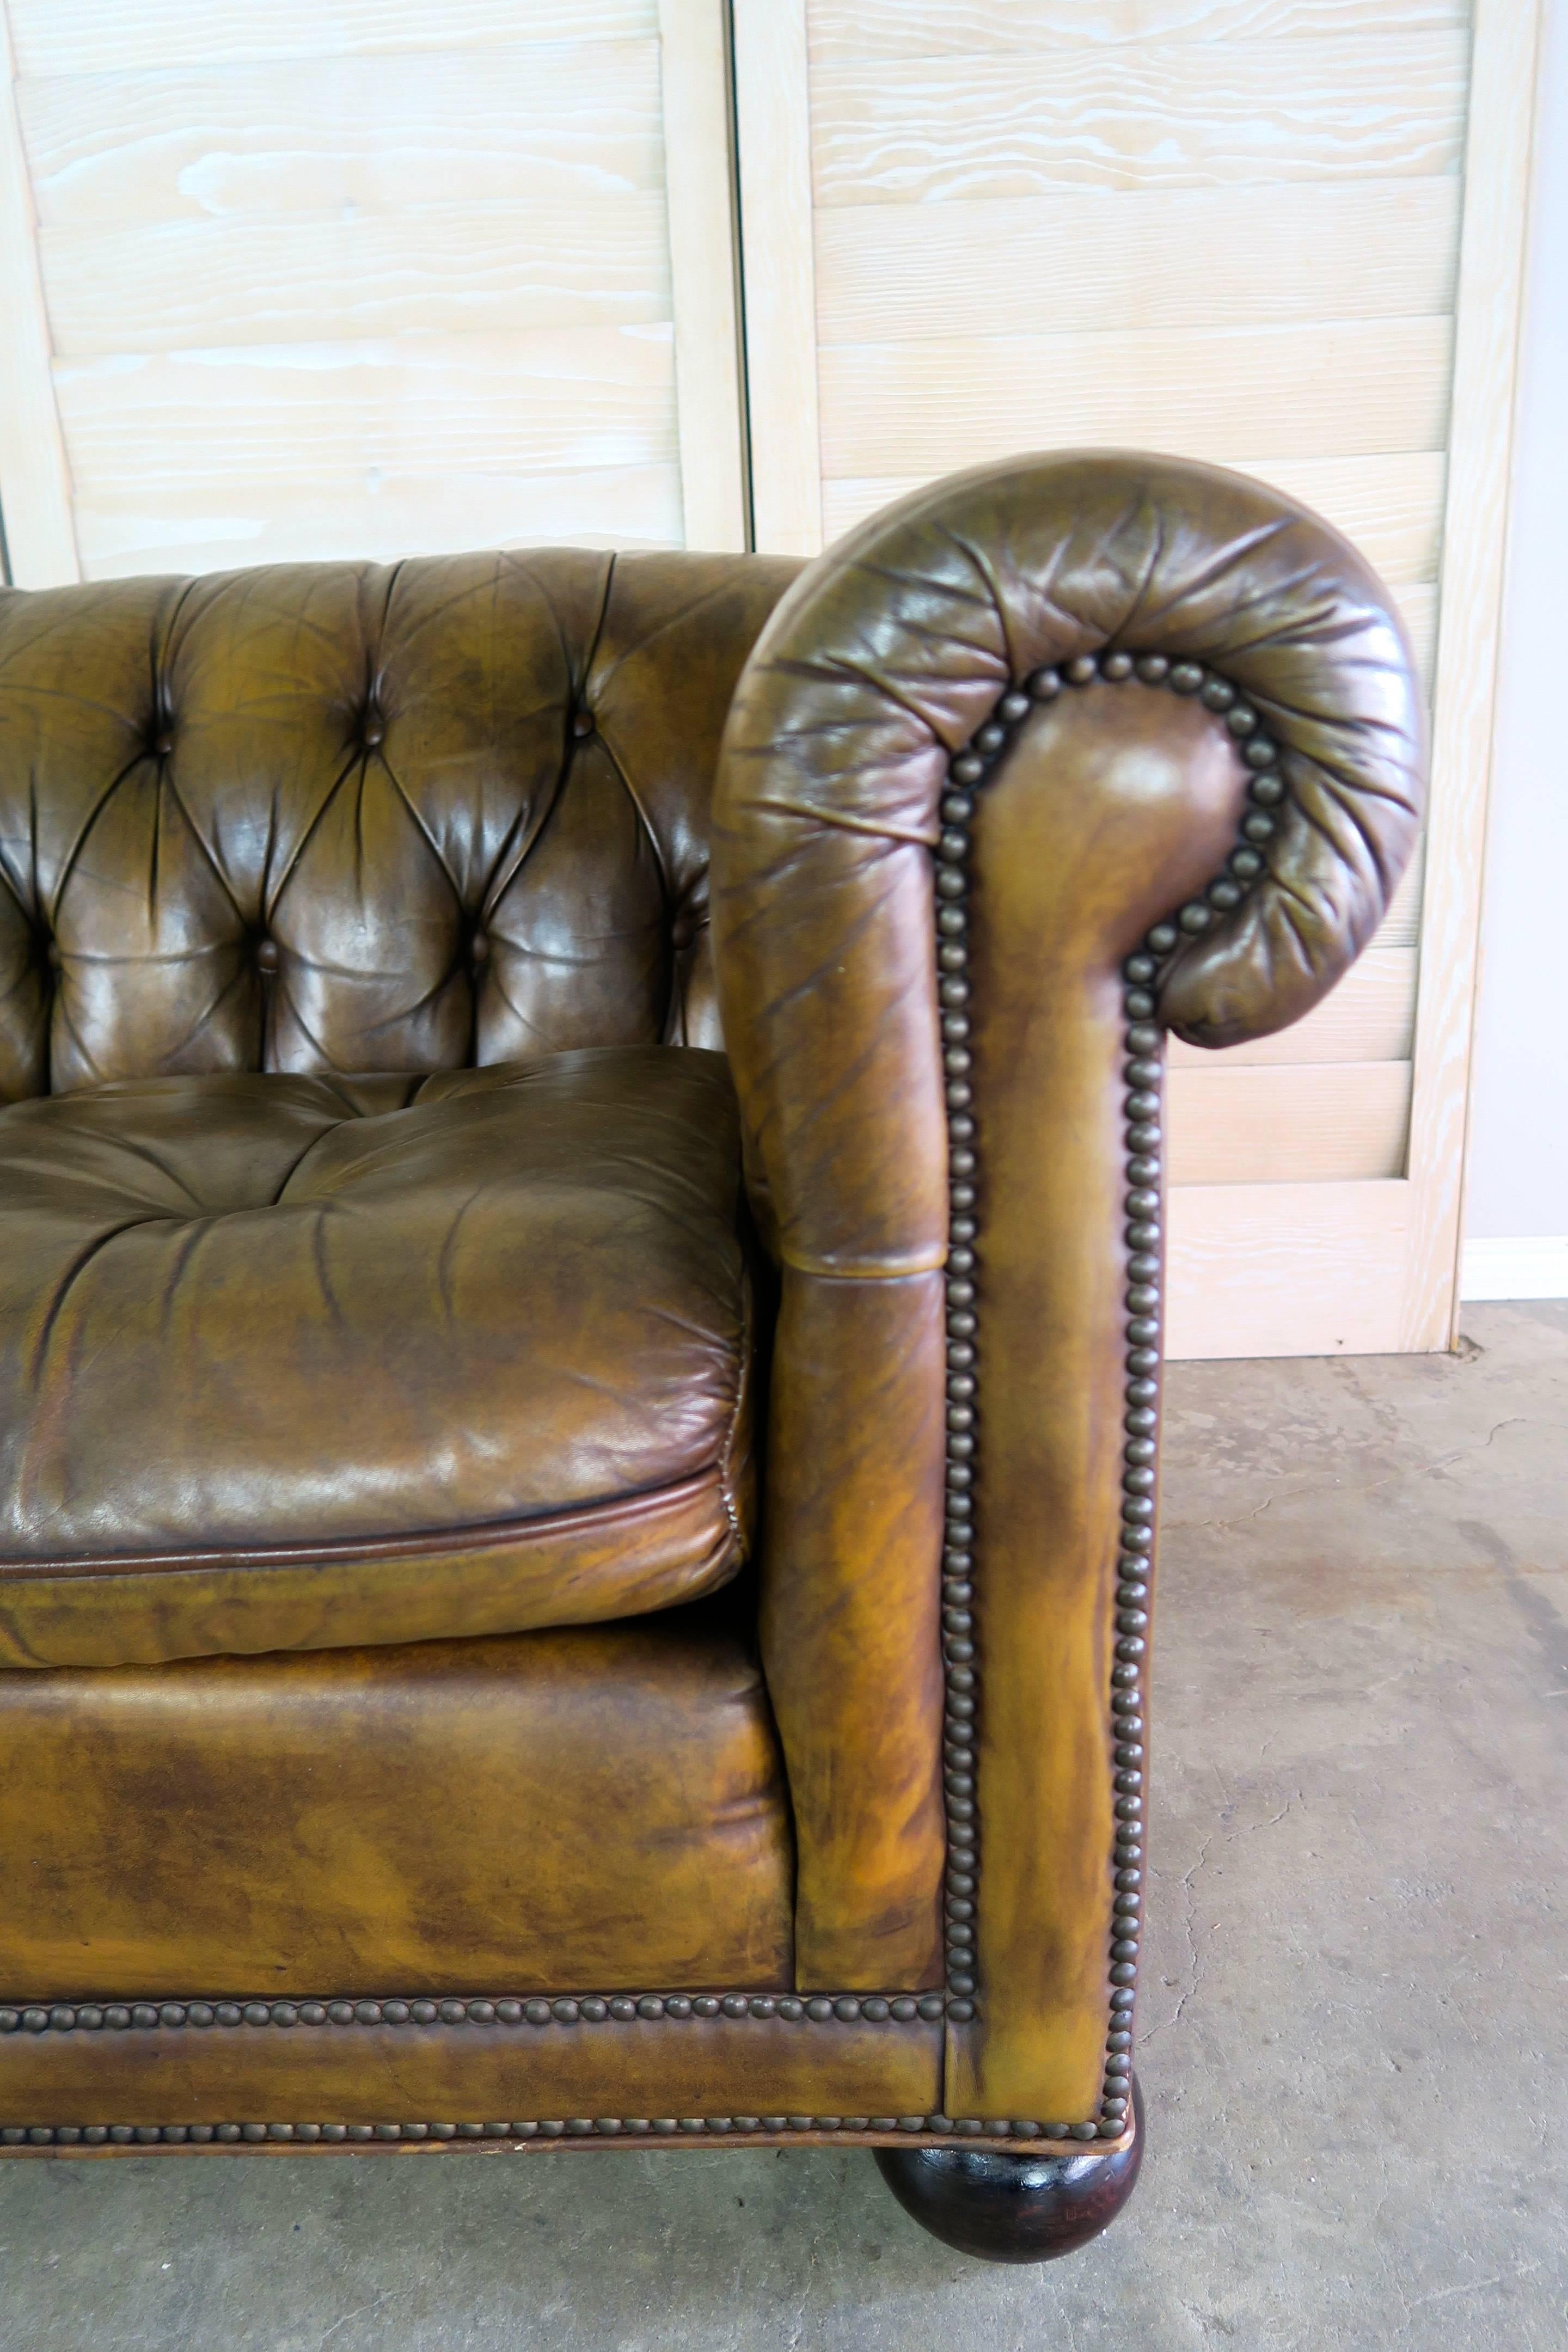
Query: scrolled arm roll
[930, 868]
[890, 653]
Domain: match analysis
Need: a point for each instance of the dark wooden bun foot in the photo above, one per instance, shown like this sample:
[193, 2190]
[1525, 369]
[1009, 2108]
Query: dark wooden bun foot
[1014, 2209]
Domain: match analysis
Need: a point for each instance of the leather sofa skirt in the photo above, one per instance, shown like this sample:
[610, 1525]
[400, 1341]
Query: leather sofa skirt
[577, 1810]
[450, 2080]
[530, 1889]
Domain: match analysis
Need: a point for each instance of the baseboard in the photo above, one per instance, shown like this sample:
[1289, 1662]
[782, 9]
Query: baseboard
[1530, 1265]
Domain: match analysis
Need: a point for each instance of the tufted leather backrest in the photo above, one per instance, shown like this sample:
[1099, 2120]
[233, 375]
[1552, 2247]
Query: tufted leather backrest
[352, 817]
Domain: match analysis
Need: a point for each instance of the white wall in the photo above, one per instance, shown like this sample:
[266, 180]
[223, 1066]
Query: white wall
[1518, 1179]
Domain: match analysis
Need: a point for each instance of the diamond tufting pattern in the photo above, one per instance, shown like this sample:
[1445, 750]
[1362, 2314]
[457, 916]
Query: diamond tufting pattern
[357, 818]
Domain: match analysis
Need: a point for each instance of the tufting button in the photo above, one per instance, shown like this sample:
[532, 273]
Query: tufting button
[372, 732]
[163, 744]
[479, 948]
[582, 723]
[52, 955]
[267, 955]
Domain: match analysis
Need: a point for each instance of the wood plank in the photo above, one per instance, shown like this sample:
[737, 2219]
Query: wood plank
[595, 259]
[1188, 257]
[215, 526]
[774, 148]
[1390, 506]
[1369, 1017]
[34, 479]
[1351, 106]
[1419, 606]
[129, 36]
[1284, 1269]
[924, 28]
[1263, 1124]
[1401, 926]
[1342, 390]
[704, 257]
[345, 135]
[571, 400]
[1491, 270]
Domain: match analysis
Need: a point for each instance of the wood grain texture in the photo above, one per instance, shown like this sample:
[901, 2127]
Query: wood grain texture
[1492, 263]
[1391, 507]
[700, 195]
[497, 267]
[102, 36]
[1369, 1017]
[1341, 390]
[1275, 1124]
[774, 137]
[1286, 1269]
[1401, 926]
[184, 422]
[923, 28]
[1186, 258]
[974, 159]
[207, 526]
[317, 293]
[1351, 107]
[344, 135]
[35, 478]
[1419, 606]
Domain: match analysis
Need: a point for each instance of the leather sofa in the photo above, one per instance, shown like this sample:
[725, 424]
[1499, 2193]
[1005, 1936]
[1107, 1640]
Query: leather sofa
[581, 1203]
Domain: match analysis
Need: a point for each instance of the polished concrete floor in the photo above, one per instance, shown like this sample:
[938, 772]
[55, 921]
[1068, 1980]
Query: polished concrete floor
[1355, 2012]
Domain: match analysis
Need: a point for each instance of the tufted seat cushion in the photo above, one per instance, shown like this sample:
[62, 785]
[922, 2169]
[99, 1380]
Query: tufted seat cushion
[302, 1362]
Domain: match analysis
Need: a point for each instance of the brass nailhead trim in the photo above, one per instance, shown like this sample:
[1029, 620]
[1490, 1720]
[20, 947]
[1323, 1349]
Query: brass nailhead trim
[927, 2126]
[816, 2009]
[1142, 1075]
[537, 2010]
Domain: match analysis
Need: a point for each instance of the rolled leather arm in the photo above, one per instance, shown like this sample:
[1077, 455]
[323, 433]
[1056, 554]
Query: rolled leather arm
[1043, 760]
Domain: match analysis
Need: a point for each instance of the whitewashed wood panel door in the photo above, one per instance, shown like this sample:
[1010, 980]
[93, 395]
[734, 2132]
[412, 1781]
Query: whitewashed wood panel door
[1280, 235]
[372, 279]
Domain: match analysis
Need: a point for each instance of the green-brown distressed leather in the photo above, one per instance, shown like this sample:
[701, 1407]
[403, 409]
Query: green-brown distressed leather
[586, 1809]
[298, 1344]
[293, 1362]
[343, 830]
[879, 666]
